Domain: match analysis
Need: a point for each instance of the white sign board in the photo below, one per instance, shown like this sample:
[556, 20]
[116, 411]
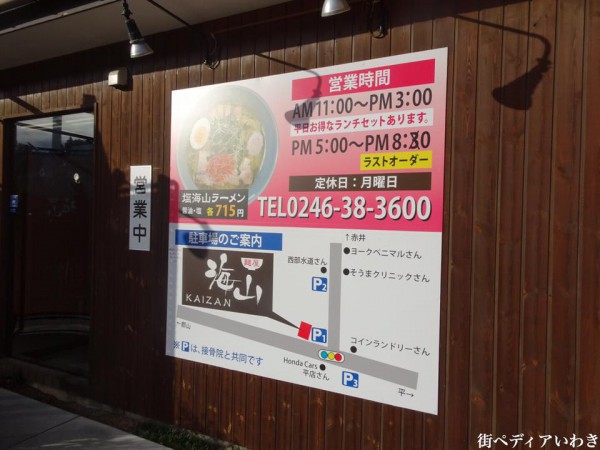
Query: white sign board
[140, 202]
[306, 227]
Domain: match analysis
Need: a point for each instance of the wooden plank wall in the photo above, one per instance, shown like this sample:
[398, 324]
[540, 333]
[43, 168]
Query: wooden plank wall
[520, 300]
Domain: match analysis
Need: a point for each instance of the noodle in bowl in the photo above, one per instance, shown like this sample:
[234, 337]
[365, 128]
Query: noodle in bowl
[228, 143]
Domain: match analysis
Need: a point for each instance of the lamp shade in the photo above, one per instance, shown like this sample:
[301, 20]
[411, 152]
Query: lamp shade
[332, 7]
[140, 48]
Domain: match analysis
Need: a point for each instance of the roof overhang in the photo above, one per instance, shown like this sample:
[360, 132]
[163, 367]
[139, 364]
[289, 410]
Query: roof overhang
[35, 30]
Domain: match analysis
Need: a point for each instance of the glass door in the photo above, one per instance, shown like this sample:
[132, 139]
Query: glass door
[51, 201]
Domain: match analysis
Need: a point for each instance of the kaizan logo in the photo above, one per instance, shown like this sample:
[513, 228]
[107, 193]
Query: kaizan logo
[236, 281]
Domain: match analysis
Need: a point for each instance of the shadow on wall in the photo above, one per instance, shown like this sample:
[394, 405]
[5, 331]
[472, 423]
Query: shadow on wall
[518, 93]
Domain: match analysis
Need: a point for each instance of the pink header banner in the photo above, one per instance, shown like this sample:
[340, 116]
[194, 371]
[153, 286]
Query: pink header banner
[374, 79]
[285, 150]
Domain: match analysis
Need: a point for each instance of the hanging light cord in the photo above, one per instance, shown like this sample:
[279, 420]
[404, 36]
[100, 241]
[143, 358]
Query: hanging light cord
[126, 12]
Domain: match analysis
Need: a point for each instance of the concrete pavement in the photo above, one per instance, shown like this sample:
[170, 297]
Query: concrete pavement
[28, 424]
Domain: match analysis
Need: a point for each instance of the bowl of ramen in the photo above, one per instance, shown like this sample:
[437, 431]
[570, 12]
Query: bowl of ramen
[228, 142]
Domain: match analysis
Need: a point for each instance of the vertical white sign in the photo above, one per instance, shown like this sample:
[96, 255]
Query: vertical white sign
[140, 200]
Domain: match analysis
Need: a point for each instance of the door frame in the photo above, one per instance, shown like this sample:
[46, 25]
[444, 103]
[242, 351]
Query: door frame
[11, 276]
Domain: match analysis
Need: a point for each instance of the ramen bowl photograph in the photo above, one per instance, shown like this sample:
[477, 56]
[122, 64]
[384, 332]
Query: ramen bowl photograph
[228, 141]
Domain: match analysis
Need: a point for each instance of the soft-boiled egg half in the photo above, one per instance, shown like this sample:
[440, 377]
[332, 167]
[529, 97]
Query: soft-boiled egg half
[255, 143]
[200, 133]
